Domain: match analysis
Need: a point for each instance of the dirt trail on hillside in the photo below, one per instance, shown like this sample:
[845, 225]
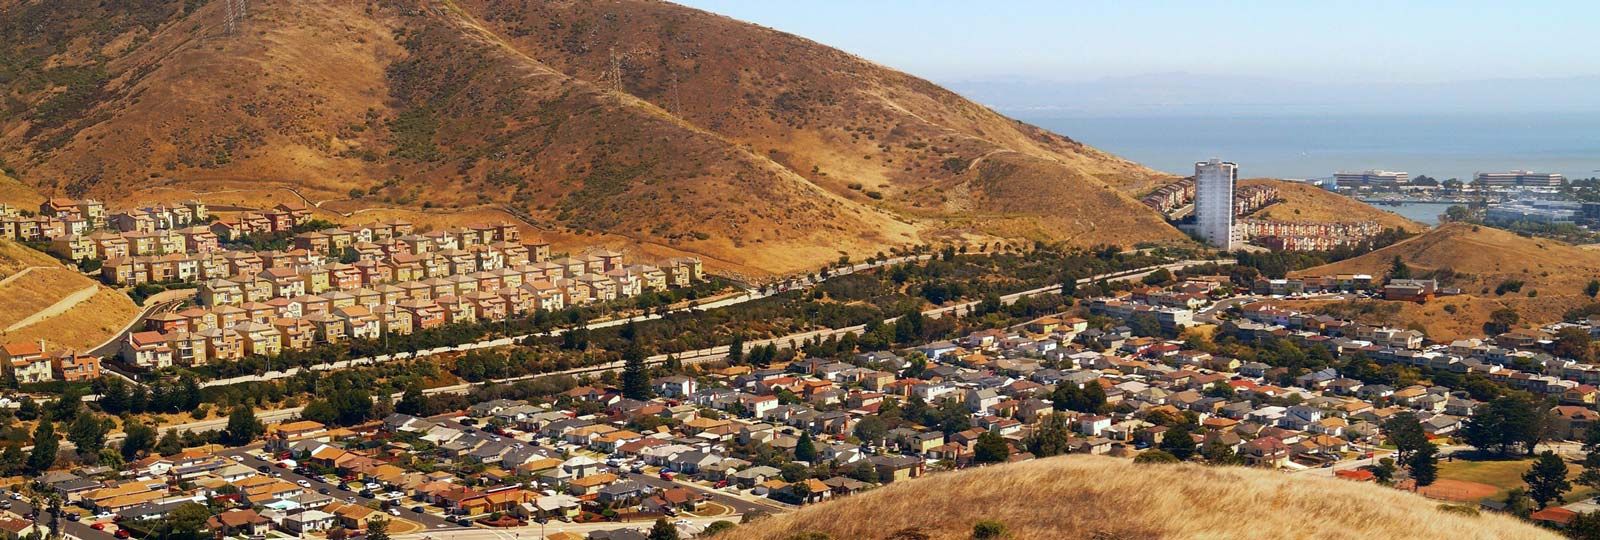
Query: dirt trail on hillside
[72, 300]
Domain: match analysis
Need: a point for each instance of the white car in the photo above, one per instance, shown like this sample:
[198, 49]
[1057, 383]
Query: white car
[239, 459]
[394, 512]
[303, 483]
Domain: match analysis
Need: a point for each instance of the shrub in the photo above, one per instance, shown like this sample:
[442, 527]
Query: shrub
[988, 529]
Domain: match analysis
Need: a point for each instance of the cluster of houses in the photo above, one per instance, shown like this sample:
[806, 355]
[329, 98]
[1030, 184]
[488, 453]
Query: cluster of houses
[276, 301]
[1505, 359]
[253, 501]
[1306, 235]
[1169, 198]
[1172, 197]
[34, 362]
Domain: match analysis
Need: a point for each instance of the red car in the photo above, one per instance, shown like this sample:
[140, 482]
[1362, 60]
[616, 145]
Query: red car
[666, 476]
[98, 526]
[122, 533]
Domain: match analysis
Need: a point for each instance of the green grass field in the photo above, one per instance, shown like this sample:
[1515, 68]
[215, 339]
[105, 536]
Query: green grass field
[1505, 475]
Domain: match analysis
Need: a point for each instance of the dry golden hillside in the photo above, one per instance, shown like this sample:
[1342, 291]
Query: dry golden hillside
[1107, 498]
[42, 299]
[1477, 260]
[1305, 202]
[762, 151]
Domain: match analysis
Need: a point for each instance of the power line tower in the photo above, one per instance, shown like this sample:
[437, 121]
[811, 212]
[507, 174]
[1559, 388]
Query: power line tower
[614, 73]
[236, 12]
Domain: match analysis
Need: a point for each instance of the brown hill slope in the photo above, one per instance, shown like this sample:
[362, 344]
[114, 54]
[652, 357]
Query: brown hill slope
[42, 299]
[1100, 497]
[1478, 259]
[1305, 202]
[759, 150]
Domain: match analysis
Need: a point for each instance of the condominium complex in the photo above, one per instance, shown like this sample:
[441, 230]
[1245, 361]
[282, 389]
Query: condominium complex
[1370, 178]
[1518, 179]
[1213, 206]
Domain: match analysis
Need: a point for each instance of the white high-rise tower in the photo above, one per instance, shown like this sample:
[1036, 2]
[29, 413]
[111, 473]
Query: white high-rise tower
[1213, 202]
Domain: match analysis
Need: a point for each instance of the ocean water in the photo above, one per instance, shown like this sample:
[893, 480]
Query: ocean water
[1315, 146]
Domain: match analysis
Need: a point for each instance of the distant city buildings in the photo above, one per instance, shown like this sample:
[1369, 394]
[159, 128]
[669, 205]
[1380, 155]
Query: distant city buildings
[1518, 179]
[1370, 178]
[1534, 211]
[1214, 209]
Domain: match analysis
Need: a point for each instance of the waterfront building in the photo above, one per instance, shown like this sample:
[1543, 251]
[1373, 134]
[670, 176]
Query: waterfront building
[1213, 207]
[1518, 179]
[1371, 178]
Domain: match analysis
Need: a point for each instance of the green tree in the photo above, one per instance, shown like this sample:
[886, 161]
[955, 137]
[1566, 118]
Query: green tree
[663, 530]
[1405, 432]
[243, 427]
[412, 402]
[170, 444]
[137, 439]
[87, 433]
[1591, 457]
[1217, 452]
[991, 448]
[871, 428]
[1384, 471]
[378, 529]
[1398, 269]
[1504, 424]
[805, 450]
[1052, 437]
[186, 522]
[635, 377]
[1517, 503]
[1547, 479]
[1592, 289]
[736, 350]
[45, 446]
[1179, 441]
[1501, 321]
[1423, 465]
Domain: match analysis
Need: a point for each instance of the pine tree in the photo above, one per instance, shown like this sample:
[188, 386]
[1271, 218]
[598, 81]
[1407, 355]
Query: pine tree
[1178, 441]
[1547, 479]
[805, 450]
[663, 530]
[413, 402]
[45, 447]
[243, 426]
[170, 444]
[990, 449]
[635, 378]
[736, 350]
[378, 529]
[1423, 464]
[87, 433]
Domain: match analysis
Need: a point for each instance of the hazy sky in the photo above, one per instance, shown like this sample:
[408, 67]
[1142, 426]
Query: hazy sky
[1388, 41]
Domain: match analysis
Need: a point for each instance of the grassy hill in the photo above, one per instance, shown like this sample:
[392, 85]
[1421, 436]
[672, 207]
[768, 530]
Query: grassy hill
[1108, 498]
[42, 299]
[1479, 260]
[1305, 202]
[632, 122]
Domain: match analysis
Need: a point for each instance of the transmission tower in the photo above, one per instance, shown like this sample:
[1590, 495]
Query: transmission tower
[237, 11]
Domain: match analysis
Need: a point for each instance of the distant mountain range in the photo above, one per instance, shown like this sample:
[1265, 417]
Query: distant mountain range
[1168, 93]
